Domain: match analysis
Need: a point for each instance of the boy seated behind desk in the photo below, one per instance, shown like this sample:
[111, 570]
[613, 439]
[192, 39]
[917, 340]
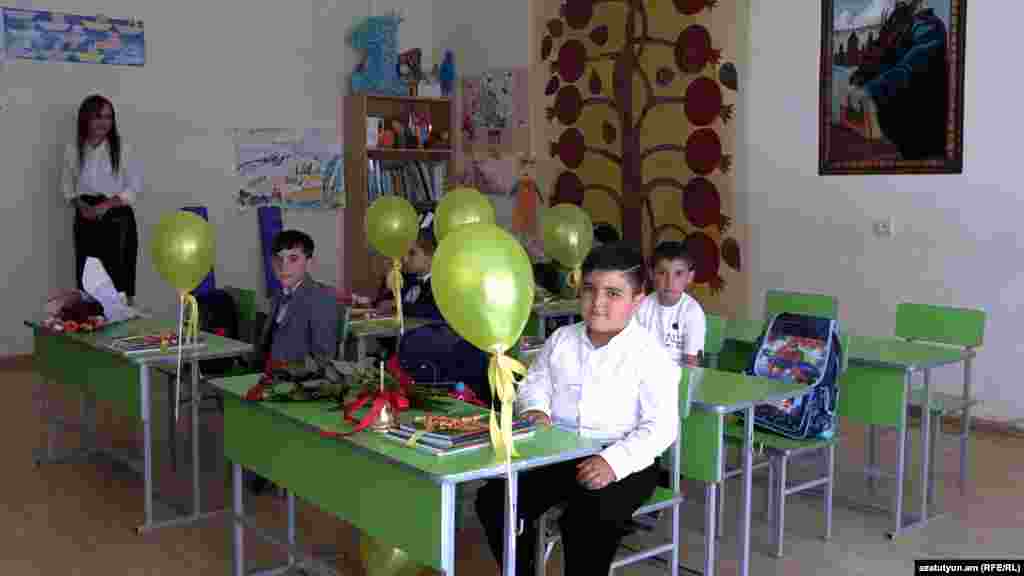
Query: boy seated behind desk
[673, 316]
[304, 314]
[417, 297]
[303, 319]
[608, 378]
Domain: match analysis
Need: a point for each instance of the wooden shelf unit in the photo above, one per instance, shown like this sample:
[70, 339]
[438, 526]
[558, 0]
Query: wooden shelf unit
[363, 271]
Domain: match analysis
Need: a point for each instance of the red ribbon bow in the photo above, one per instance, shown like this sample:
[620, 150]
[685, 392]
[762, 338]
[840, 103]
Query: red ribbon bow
[397, 401]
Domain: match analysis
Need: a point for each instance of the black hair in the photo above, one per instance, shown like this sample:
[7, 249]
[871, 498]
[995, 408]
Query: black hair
[605, 233]
[426, 240]
[89, 109]
[617, 257]
[288, 239]
[670, 251]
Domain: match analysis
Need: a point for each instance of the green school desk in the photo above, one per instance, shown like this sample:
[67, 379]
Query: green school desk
[363, 330]
[714, 395]
[85, 363]
[876, 391]
[392, 492]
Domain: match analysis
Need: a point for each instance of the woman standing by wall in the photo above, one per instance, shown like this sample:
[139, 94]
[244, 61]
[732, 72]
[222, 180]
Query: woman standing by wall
[100, 183]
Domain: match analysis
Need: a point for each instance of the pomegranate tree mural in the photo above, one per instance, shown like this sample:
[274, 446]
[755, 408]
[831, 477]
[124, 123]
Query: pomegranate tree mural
[660, 91]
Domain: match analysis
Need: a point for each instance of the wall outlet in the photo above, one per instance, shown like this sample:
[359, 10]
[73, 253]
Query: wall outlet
[883, 227]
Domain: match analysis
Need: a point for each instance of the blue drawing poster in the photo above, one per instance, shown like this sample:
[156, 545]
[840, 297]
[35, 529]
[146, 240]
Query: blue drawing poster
[53, 36]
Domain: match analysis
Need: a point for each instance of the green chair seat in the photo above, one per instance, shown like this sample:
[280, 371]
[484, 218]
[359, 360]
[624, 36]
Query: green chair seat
[777, 442]
[942, 404]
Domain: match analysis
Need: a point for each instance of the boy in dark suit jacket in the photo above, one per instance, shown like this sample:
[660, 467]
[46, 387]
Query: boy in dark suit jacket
[417, 297]
[304, 315]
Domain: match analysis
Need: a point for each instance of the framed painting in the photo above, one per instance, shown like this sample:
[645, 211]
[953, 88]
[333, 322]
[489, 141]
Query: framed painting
[892, 87]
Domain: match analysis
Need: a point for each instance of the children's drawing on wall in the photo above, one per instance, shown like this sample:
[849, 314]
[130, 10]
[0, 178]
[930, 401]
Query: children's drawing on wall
[525, 219]
[283, 167]
[53, 36]
[493, 103]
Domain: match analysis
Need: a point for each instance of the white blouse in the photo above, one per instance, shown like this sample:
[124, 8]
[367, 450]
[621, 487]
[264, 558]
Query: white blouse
[625, 393]
[96, 176]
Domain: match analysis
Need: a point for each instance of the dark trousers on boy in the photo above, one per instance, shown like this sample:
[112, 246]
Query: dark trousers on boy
[592, 526]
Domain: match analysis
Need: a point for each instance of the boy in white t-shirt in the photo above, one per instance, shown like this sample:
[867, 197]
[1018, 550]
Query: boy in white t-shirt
[672, 315]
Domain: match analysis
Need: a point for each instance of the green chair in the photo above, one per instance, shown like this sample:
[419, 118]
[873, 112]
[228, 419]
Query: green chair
[714, 339]
[960, 327]
[662, 499]
[779, 449]
[779, 301]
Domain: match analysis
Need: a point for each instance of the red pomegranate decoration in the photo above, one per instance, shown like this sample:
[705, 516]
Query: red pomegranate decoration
[704, 152]
[704, 102]
[693, 49]
[702, 204]
[568, 105]
[577, 13]
[572, 59]
[569, 148]
[568, 189]
[705, 252]
[691, 7]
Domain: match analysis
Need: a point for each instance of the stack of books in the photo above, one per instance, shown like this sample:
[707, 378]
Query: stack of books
[156, 342]
[466, 434]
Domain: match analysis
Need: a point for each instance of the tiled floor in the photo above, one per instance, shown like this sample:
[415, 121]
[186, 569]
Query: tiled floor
[80, 518]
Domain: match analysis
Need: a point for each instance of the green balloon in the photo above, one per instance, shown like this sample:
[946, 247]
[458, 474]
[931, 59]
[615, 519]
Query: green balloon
[568, 234]
[482, 281]
[392, 226]
[380, 559]
[183, 248]
[461, 206]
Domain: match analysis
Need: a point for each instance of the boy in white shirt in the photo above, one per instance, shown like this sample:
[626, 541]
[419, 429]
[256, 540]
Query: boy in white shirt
[604, 378]
[672, 315]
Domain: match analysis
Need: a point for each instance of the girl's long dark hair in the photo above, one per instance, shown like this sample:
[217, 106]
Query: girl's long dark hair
[89, 109]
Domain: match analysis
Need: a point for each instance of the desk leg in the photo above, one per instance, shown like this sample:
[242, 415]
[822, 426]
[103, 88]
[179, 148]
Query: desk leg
[448, 504]
[147, 443]
[748, 473]
[872, 459]
[238, 530]
[710, 517]
[360, 348]
[511, 523]
[291, 527]
[901, 461]
[965, 424]
[926, 440]
[196, 495]
[88, 414]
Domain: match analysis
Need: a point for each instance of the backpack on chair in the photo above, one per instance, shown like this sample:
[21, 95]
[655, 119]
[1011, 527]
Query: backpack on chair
[802, 349]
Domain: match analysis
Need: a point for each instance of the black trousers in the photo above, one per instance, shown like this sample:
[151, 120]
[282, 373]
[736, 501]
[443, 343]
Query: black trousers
[592, 526]
[114, 239]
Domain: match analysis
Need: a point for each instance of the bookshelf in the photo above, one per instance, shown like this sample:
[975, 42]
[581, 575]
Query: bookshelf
[364, 270]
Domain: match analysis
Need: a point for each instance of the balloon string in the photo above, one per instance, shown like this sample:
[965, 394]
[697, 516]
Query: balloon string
[501, 375]
[188, 332]
[395, 279]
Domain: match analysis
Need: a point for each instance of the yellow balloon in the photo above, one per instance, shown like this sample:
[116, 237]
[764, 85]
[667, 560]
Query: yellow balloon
[568, 234]
[391, 226]
[183, 248]
[380, 559]
[461, 206]
[482, 281]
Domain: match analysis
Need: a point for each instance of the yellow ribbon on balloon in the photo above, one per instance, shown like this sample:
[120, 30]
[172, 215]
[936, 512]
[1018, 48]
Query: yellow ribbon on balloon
[501, 373]
[395, 281]
[188, 332]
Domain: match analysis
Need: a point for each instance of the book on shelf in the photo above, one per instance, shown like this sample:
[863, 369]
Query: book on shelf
[415, 180]
[147, 343]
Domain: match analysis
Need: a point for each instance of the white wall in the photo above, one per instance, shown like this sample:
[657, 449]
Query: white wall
[484, 35]
[211, 67]
[958, 237]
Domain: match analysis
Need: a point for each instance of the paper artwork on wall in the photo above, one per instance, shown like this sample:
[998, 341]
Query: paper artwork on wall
[288, 168]
[58, 37]
[494, 103]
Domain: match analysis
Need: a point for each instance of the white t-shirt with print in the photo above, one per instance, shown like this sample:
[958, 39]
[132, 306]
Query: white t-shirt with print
[680, 328]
